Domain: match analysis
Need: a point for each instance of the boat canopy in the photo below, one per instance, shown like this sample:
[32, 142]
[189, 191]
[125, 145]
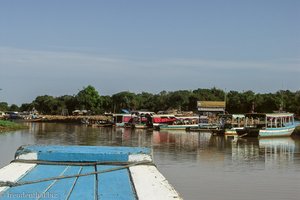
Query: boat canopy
[163, 118]
[211, 106]
[279, 115]
[235, 116]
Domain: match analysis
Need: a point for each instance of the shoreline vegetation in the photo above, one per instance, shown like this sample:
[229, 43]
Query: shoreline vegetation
[10, 126]
[89, 99]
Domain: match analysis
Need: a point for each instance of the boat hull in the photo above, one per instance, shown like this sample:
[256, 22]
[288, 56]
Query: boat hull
[178, 127]
[84, 172]
[276, 132]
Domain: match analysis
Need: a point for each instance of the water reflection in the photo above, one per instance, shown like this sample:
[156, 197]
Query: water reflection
[278, 151]
[230, 154]
[195, 163]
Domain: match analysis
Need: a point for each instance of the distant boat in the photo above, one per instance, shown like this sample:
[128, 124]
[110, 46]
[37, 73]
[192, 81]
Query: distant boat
[268, 125]
[207, 124]
[140, 120]
[231, 123]
[181, 123]
[162, 120]
[84, 172]
[121, 119]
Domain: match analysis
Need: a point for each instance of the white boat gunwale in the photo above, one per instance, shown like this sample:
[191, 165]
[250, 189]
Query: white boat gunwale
[159, 186]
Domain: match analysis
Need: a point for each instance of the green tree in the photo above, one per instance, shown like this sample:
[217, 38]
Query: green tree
[233, 102]
[46, 104]
[3, 106]
[107, 104]
[67, 102]
[124, 100]
[246, 101]
[14, 107]
[26, 107]
[145, 101]
[179, 100]
[269, 103]
[89, 99]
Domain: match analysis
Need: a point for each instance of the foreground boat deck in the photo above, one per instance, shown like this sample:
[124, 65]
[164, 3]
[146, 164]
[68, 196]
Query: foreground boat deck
[94, 173]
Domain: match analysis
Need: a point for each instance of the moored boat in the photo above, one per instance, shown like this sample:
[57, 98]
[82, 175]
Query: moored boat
[162, 120]
[231, 123]
[121, 119]
[181, 123]
[83, 172]
[268, 125]
[278, 124]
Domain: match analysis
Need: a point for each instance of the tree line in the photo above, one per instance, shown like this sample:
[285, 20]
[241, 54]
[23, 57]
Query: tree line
[185, 100]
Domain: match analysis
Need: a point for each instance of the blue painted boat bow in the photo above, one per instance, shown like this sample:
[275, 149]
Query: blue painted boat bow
[60, 172]
[82, 153]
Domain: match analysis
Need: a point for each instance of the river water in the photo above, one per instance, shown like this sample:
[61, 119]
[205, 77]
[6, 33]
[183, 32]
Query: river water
[198, 165]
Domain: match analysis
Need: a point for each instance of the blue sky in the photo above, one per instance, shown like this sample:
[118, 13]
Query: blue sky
[57, 47]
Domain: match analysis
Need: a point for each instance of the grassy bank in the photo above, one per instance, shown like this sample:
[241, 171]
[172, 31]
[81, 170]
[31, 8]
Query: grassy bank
[10, 126]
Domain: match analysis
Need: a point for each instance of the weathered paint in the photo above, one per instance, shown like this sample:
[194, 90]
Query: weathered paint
[178, 127]
[85, 187]
[28, 156]
[115, 185]
[151, 184]
[273, 132]
[40, 171]
[63, 188]
[139, 158]
[76, 153]
[14, 171]
[139, 182]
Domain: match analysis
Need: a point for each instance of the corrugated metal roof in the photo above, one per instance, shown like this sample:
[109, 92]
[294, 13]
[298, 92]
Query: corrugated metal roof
[211, 104]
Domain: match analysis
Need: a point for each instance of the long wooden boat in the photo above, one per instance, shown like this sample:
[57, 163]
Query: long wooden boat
[162, 120]
[268, 125]
[182, 123]
[83, 172]
[178, 127]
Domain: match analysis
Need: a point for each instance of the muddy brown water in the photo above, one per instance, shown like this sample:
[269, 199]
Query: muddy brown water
[198, 165]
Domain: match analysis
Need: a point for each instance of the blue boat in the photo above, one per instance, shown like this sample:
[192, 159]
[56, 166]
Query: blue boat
[83, 172]
[268, 125]
[278, 124]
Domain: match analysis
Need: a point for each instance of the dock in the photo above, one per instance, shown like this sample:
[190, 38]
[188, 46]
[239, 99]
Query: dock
[84, 172]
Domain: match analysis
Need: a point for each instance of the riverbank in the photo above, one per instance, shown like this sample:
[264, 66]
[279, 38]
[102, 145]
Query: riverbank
[10, 126]
[68, 119]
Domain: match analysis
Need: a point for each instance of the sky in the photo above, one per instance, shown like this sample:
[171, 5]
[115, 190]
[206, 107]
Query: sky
[57, 47]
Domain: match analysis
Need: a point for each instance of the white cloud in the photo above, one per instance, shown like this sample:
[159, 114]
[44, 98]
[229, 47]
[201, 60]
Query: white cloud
[35, 60]
[31, 73]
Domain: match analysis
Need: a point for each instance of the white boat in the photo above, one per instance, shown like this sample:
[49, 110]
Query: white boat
[278, 124]
[182, 123]
[84, 172]
[268, 125]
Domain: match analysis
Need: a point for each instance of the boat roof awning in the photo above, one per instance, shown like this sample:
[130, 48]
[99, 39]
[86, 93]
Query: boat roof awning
[279, 115]
[238, 116]
[211, 106]
[211, 109]
[269, 115]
